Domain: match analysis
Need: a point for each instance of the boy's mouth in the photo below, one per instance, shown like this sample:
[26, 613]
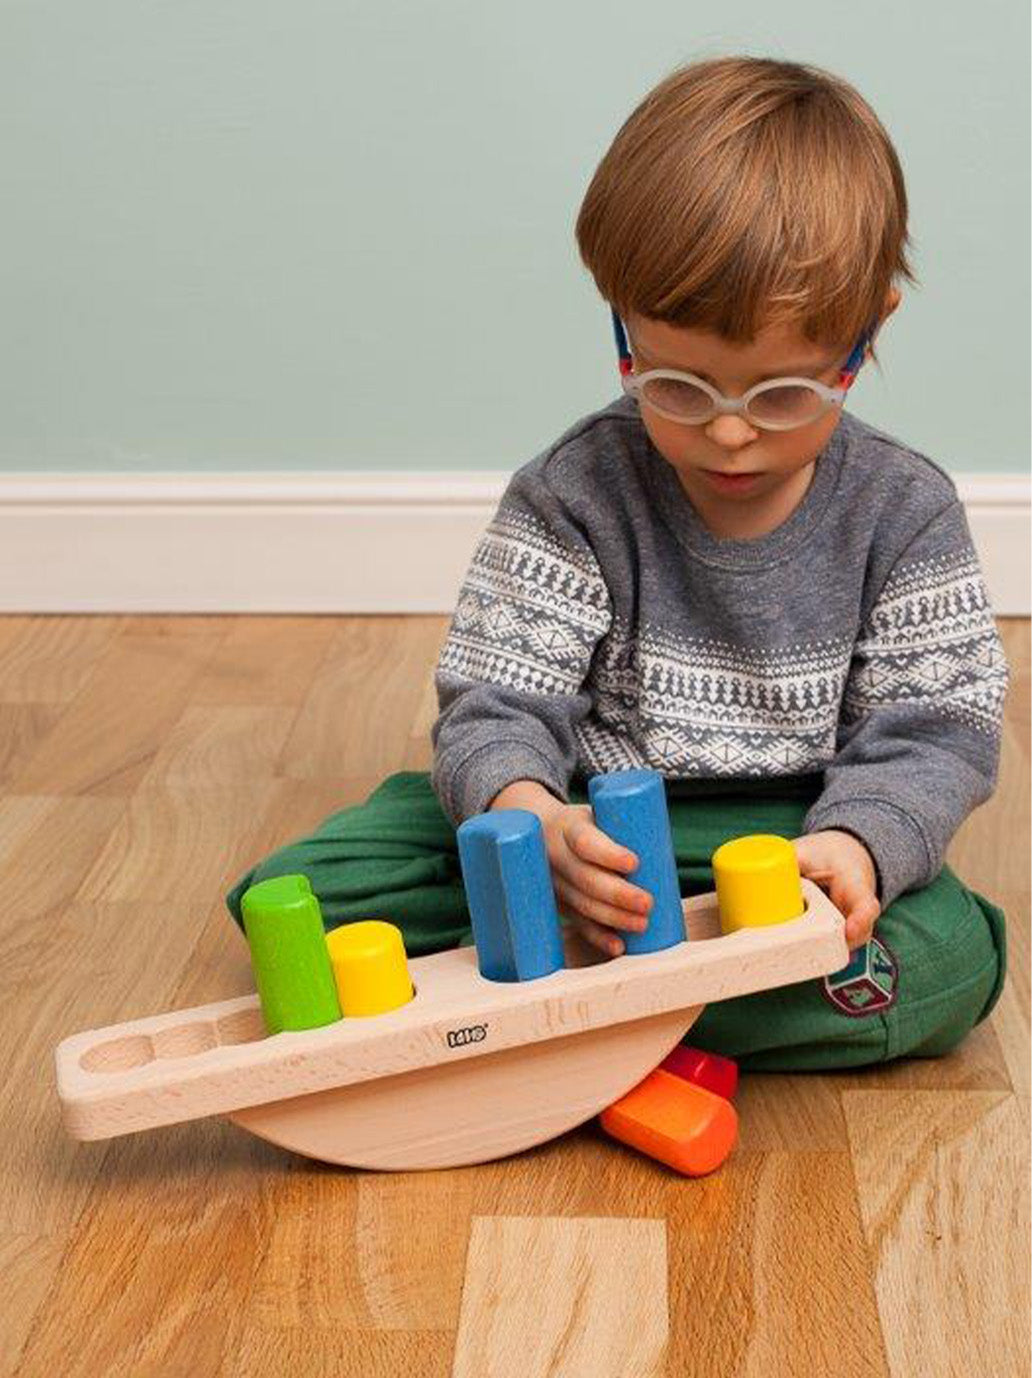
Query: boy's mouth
[730, 483]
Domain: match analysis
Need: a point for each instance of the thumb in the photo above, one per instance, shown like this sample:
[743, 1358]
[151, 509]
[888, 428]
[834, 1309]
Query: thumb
[853, 897]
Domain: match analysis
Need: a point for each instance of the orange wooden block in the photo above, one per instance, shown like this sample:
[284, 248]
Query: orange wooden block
[683, 1125]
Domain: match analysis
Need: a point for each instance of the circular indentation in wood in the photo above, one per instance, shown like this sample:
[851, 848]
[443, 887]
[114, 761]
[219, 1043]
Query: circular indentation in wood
[243, 1026]
[118, 1055]
[185, 1040]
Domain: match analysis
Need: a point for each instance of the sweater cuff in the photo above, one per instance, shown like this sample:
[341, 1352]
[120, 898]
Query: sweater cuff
[894, 839]
[485, 771]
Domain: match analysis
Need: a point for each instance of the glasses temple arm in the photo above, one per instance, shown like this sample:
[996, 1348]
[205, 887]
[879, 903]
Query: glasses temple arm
[852, 365]
[621, 343]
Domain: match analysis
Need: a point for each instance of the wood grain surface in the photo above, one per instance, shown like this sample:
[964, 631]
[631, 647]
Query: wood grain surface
[546, 1295]
[873, 1223]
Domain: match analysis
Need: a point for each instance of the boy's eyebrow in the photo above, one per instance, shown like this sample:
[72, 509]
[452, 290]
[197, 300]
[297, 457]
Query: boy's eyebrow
[793, 370]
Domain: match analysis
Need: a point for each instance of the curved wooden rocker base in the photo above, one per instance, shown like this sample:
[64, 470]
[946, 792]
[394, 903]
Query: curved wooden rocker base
[471, 1111]
[469, 1070]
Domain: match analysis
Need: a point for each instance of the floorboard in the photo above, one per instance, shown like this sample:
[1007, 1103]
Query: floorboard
[872, 1223]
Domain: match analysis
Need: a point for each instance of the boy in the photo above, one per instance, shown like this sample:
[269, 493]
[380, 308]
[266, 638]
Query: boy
[726, 577]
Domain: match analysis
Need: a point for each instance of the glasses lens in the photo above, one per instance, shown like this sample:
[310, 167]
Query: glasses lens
[678, 398]
[792, 404]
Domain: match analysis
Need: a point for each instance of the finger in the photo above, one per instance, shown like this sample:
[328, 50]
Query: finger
[822, 876]
[852, 895]
[610, 915]
[860, 923]
[601, 938]
[849, 890]
[814, 862]
[602, 885]
[812, 858]
[591, 844]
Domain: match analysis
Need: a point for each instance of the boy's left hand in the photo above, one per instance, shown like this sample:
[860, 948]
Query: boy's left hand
[842, 866]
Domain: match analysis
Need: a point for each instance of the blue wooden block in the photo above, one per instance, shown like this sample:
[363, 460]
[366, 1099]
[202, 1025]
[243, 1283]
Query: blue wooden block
[630, 807]
[510, 896]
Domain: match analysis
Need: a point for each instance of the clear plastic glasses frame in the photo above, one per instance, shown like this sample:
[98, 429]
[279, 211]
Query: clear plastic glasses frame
[824, 398]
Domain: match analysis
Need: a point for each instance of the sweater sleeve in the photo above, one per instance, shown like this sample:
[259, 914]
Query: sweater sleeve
[510, 677]
[919, 734]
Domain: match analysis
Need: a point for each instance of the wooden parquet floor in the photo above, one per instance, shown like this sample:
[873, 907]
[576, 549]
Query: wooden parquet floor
[867, 1224]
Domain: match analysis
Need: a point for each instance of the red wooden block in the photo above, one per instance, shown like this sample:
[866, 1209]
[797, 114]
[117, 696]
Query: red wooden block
[710, 1070]
[681, 1124]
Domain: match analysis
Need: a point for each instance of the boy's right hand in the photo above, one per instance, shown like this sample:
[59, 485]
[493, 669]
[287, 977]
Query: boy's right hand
[588, 867]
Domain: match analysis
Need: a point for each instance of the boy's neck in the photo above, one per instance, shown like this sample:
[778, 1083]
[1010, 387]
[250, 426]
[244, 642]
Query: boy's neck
[737, 520]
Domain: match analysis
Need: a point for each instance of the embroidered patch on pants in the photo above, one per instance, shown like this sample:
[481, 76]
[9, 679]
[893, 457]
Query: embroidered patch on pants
[867, 984]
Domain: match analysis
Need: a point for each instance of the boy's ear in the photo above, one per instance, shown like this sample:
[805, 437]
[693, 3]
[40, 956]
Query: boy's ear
[892, 299]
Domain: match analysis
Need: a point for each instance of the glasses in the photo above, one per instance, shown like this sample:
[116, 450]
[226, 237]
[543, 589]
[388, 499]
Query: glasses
[779, 404]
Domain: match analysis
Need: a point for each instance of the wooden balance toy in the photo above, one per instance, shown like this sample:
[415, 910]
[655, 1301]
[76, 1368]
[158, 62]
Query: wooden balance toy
[466, 1066]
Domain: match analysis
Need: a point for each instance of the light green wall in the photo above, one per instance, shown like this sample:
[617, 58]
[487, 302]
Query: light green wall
[324, 234]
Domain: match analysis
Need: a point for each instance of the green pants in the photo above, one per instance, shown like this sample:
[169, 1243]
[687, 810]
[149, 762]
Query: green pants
[934, 968]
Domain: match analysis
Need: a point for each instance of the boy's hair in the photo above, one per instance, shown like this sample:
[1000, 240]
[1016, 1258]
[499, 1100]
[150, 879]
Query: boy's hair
[743, 192]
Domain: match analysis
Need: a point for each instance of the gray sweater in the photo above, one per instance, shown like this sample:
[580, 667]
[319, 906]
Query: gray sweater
[601, 626]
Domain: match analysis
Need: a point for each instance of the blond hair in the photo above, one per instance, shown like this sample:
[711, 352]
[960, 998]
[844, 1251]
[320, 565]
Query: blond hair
[743, 192]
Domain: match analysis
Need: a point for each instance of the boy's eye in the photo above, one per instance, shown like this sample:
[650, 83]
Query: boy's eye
[791, 403]
[672, 394]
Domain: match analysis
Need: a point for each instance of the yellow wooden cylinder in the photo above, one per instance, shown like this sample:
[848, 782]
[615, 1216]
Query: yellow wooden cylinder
[757, 882]
[369, 967]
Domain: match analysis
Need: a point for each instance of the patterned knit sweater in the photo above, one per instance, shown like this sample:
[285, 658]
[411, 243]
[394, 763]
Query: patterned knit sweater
[602, 626]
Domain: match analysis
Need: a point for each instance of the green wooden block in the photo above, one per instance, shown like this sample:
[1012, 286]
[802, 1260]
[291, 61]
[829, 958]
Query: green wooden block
[291, 963]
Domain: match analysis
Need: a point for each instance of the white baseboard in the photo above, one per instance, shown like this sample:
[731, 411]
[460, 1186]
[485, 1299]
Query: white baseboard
[317, 543]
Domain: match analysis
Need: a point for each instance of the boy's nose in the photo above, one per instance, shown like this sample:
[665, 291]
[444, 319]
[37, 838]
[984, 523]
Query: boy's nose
[731, 432]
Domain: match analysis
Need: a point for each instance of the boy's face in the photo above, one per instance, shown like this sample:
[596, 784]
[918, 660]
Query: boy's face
[727, 461]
